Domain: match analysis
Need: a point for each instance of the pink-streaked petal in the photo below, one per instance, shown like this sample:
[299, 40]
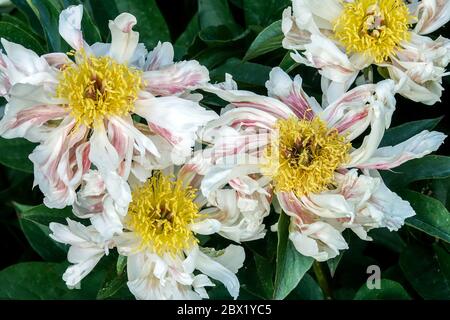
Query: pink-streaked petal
[415, 147]
[291, 93]
[175, 119]
[56, 164]
[161, 56]
[247, 99]
[176, 78]
[24, 122]
[360, 107]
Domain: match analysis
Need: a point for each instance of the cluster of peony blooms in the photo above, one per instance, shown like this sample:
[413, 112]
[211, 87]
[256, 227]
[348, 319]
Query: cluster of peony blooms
[115, 127]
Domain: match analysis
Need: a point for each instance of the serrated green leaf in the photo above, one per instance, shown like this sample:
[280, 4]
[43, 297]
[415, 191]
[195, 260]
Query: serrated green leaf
[427, 271]
[291, 265]
[267, 40]
[431, 215]
[14, 153]
[389, 290]
[405, 131]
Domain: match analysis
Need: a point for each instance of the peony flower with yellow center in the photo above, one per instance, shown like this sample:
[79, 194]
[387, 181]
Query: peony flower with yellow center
[343, 37]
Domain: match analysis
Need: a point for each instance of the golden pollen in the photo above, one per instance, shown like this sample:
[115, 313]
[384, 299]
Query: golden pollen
[304, 156]
[374, 28]
[161, 212]
[97, 88]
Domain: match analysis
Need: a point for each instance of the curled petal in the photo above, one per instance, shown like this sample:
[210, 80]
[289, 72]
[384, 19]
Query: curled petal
[70, 26]
[432, 14]
[161, 56]
[291, 93]
[124, 40]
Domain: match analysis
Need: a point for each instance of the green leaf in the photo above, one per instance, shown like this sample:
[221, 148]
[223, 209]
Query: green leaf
[263, 13]
[222, 35]
[25, 8]
[151, 25]
[34, 222]
[112, 286]
[267, 40]
[121, 264]
[43, 281]
[288, 64]
[14, 153]
[389, 290]
[213, 57]
[428, 167]
[48, 14]
[405, 131]
[431, 215]
[104, 11]
[389, 239]
[427, 271]
[307, 289]
[213, 13]
[264, 271]
[291, 265]
[440, 189]
[15, 34]
[243, 72]
[334, 263]
[187, 38]
[22, 24]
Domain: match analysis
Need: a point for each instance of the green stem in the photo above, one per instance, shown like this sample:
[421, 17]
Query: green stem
[322, 279]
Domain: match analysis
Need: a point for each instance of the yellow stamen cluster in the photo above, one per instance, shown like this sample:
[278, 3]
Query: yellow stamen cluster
[161, 212]
[374, 28]
[97, 88]
[304, 156]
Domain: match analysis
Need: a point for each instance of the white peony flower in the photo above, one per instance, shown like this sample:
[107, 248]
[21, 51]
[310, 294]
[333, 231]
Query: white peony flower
[341, 38]
[288, 143]
[157, 234]
[83, 112]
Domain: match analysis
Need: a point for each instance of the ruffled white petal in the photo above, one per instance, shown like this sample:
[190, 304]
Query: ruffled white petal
[415, 147]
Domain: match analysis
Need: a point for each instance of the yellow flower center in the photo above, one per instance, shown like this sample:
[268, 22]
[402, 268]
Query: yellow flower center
[373, 27]
[97, 88]
[304, 156]
[161, 212]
